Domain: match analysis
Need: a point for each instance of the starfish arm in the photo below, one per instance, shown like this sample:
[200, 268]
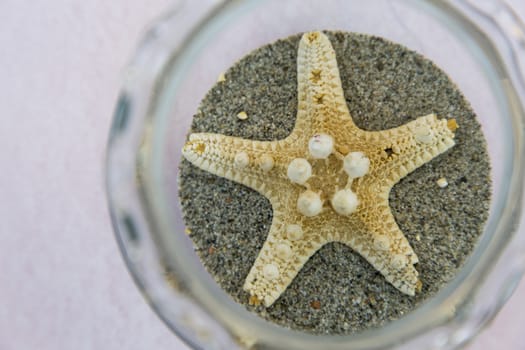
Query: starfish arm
[321, 102]
[282, 255]
[406, 148]
[384, 246]
[260, 165]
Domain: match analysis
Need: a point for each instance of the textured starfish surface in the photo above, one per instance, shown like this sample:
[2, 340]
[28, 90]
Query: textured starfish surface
[328, 181]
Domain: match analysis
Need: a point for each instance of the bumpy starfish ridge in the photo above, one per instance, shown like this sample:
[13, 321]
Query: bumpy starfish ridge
[328, 181]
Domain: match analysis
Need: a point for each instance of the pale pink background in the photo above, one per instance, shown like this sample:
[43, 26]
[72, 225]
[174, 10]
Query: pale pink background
[63, 284]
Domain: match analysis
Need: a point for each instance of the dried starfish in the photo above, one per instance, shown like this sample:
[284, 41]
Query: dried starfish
[328, 181]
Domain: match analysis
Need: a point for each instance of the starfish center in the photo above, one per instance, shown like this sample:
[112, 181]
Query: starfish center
[327, 177]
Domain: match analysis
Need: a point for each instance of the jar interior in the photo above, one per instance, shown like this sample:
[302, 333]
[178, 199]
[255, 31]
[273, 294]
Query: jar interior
[428, 27]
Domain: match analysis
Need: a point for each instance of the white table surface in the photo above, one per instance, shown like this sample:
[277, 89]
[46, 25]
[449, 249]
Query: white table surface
[63, 284]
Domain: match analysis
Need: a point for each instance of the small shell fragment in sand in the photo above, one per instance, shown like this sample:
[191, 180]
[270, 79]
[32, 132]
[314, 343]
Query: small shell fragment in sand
[316, 304]
[442, 182]
[242, 115]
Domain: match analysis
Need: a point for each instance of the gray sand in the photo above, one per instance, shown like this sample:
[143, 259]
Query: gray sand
[337, 291]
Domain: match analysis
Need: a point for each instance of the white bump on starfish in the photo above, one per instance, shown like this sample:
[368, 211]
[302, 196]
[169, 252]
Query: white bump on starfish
[321, 146]
[309, 203]
[294, 232]
[241, 160]
[423, 134]
[283, 251]
[356, 164]
[299, 170]
[345, 202]
[270, 271]
[382, 242]
[266, 162]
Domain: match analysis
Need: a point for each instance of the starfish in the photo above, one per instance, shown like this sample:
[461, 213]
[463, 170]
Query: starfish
[328, 181]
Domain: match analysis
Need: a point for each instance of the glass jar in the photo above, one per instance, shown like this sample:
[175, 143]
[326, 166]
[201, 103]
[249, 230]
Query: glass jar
[480, 44]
